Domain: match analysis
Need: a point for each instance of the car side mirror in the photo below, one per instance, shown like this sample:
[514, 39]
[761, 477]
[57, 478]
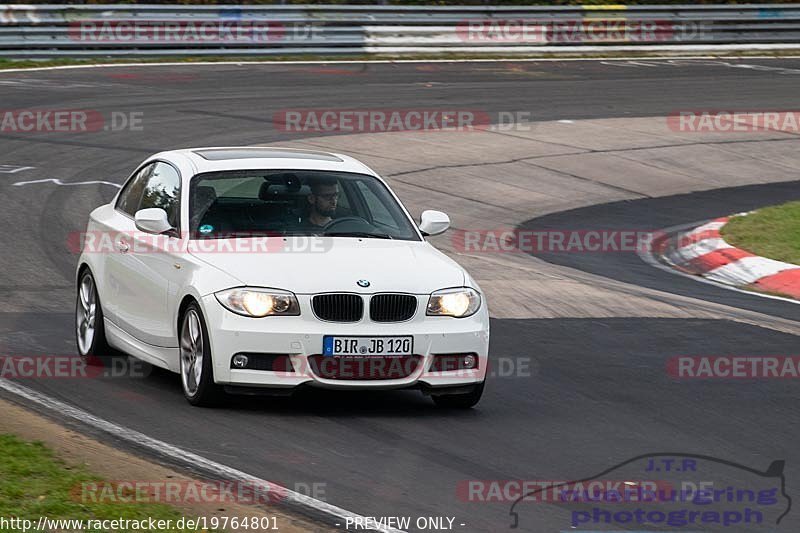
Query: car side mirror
[152, 220]
[433, 222]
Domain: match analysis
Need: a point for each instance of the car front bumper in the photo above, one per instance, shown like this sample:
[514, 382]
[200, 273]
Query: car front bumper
[301, 336]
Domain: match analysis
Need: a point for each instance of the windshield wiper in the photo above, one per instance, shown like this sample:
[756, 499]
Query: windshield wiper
[358, 234]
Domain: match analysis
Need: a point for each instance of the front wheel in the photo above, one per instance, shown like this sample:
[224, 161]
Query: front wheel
[197, 373]
[464, 400]
[89, 327]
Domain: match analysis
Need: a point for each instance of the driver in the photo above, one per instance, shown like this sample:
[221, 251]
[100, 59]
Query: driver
[322, 203]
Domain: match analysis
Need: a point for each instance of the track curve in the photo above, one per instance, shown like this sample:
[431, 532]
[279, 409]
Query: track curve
[596, 392]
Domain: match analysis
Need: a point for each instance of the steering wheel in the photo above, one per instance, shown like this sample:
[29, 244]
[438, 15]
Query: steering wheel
[344, 220]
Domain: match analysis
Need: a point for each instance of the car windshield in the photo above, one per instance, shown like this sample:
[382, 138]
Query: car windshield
[297, 202]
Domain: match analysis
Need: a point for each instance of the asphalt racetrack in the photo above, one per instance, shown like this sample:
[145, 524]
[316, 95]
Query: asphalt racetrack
[581, 382]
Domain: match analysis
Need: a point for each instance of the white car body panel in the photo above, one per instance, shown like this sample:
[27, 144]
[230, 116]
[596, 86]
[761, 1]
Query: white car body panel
[141, 290]
[385, 263]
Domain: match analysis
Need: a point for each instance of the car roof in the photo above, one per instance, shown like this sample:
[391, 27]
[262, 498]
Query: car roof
[214, 159]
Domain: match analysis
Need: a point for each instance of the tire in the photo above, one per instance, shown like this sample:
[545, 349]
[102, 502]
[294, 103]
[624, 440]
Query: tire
[466, 400]
[195, 355]
[90, 333]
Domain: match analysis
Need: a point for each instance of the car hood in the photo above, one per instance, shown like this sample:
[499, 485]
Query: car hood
[333, 264]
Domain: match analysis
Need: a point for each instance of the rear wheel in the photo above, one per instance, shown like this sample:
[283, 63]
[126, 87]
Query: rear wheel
[464, 400]
[197, 373]
[89, 327]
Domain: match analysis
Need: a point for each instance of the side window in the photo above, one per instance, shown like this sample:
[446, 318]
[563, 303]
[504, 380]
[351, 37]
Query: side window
[380, 213]
[163, 191]
[131, 195]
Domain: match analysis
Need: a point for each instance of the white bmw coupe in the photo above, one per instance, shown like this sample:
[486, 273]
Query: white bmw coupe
[261, 270]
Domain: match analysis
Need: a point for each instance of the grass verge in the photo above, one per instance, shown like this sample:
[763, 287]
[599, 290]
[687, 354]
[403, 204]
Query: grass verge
[35, 483]
[772, 232]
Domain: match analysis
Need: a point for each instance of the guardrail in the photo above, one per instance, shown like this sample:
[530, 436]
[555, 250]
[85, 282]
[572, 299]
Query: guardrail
[175, 30]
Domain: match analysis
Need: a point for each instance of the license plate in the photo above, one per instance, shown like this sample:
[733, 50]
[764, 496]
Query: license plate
[367, 346]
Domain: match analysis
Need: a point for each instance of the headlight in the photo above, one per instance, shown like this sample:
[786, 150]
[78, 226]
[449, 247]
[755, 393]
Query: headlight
[259, 302]
[459, 303]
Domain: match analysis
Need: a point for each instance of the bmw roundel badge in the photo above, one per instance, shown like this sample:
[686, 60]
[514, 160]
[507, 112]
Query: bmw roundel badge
[362, 283]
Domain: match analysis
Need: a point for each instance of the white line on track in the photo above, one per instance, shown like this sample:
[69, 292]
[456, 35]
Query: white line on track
[641, 63]
[391, 61]
[179, 455]
[11, 169]
[69, 183]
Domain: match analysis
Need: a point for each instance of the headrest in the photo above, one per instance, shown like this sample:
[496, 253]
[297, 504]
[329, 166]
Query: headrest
[204, 198]
[205, 195]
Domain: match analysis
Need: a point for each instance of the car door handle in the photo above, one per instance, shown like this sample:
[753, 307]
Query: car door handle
[123, 246]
